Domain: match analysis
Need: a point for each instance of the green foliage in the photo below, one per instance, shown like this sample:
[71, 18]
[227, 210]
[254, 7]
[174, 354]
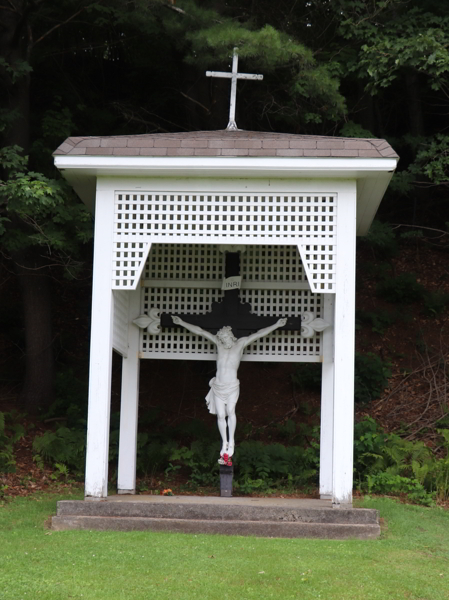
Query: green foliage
[277, 464]
[256, 466]
[10, 432]
[354, 130]
[378, 320]
[435, 303]
[381, 239]
[307, 377]
[392, 483]
[432, 159]
[387, 464]
[64, 446]
[402, 289]
[153, 455]
[371, 376]
[416, 41]
[70, 399]
[15, 70]
[44, 207]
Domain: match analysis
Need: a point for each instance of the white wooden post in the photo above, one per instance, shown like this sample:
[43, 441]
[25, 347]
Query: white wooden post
[97, 454]
[327, 400]
[126, 480]
[344, 332]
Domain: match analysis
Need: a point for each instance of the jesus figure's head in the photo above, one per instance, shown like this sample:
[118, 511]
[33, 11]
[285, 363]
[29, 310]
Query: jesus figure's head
[226, 338]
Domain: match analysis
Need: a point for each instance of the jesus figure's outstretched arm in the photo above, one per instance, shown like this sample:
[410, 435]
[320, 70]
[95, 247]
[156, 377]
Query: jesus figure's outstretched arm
[263, 332]
[195, 329]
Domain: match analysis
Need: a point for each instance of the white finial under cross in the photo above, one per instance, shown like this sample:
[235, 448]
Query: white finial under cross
[232, 125]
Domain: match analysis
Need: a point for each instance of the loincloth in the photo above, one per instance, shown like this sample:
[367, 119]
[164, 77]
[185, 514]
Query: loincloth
[228, 393]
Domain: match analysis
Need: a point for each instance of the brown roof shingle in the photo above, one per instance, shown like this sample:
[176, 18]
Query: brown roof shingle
[227, 143]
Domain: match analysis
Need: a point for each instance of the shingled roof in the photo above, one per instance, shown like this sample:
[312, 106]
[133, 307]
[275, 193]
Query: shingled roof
[227, 143]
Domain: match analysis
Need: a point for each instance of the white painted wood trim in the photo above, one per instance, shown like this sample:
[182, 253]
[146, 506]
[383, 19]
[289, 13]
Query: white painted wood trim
[126, 479]
[327, 400]
[141, 266]
[344, 332]
[216, 284]
[284, 358]
[223, 165]
[97, 453]
[202, 185]
[120, 322]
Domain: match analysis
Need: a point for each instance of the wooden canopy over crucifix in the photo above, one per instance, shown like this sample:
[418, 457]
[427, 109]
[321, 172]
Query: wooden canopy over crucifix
[231, 312]
[223, 188]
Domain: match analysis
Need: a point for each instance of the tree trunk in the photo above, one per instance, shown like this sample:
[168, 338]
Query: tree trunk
[414, 103]
[37, 391]
[15, 47]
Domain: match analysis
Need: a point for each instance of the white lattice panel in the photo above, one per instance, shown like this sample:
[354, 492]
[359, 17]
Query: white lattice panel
[252, 219]
[203, 215]
[179, 261]
[319, 262]
[120, 322]
[272, 263]
[128, 260]
[171, 267]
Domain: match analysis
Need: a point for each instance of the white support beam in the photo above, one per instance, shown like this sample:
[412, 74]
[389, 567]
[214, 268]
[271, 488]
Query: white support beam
[126, 480]
[327, 400]
[97, 454]
[344, 332]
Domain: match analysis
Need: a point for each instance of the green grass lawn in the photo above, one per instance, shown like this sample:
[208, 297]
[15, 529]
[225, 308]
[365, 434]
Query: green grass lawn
[410, 561]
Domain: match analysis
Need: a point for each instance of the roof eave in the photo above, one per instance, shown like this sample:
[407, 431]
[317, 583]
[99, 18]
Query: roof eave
[372, 174]
[224, 166]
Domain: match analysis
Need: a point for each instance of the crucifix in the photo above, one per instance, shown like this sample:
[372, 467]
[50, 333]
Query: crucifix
[231, 326]
[234, 75]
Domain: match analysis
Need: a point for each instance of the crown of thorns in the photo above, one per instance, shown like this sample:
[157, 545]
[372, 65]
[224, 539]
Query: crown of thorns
[227, 331]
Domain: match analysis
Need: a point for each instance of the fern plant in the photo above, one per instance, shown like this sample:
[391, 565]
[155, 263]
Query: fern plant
[10, 433]
[64, 446]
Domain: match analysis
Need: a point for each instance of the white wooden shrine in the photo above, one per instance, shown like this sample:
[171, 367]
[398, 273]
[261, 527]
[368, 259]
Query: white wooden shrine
[167, 206]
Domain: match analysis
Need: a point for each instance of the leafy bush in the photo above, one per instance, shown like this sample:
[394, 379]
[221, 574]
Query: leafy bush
[153, 455]
[71, 400]
[10, 433]
[387, 464]
[379, 320]
[307, 376]
[371, 376]
[402, 289]
[391, 483]
[381, 239]
[257, 466]
[435, 303]
[63, 446]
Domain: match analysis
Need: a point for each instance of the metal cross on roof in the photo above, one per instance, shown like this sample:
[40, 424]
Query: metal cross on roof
[234, 75]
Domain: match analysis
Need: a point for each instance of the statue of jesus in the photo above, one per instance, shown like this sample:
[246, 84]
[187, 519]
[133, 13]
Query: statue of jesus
[225, 387]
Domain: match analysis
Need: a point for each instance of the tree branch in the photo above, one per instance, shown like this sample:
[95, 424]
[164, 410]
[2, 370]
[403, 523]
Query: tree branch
[195, 101]
[171, 6]
[396, 226]
[62, 24]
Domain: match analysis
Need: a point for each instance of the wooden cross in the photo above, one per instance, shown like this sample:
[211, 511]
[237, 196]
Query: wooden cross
[234, 75]
[231, 312]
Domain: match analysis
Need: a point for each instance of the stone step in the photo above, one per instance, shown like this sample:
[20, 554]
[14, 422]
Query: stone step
[283, 529]
[268, 517]
[207, 509]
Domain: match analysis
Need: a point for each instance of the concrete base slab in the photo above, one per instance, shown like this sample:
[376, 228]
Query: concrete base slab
[263, 517]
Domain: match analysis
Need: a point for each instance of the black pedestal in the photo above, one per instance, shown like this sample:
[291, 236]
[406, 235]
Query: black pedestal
[226, 474]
